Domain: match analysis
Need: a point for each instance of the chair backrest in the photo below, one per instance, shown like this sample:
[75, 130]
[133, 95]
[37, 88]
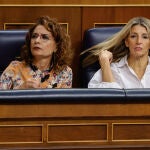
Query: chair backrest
[92, 37]
[11, 42]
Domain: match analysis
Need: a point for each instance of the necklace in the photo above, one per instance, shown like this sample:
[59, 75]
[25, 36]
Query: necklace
[35, 68]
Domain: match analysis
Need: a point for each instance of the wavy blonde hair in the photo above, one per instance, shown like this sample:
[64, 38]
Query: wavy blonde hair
[115, 43]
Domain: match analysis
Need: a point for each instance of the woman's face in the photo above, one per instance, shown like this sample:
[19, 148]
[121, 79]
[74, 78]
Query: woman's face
[138, 41]
[42, 43]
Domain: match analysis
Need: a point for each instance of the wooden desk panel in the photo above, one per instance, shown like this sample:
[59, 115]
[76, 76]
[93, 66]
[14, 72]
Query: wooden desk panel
[75, 125]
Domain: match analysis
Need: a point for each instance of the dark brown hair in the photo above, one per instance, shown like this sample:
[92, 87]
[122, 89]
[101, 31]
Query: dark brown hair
[63, 55]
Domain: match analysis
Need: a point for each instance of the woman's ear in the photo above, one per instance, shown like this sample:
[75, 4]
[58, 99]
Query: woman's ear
[126, 43]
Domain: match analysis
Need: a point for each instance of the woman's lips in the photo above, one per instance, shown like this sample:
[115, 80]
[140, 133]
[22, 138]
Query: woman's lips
[138, 48]
[36, 48]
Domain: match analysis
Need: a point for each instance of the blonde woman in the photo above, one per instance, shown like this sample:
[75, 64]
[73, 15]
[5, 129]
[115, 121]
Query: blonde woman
[124, 58]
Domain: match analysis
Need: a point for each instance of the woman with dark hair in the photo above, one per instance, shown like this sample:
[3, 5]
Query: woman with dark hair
[45, 59]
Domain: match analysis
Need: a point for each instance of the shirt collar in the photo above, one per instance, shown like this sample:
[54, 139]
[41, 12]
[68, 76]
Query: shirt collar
[124, 61]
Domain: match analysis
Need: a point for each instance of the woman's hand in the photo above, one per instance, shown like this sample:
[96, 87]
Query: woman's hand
[31, 83]
[105, 59]
[105, 56]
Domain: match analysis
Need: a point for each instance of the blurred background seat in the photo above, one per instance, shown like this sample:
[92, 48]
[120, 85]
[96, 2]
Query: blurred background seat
[92, 37]
[11, 42]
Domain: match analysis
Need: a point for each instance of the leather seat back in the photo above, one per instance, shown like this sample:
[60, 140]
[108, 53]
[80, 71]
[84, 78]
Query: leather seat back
[11, 42]
[92, 37]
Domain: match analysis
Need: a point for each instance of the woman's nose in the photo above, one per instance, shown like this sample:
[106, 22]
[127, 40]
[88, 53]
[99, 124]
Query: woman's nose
[139, 40]
[38, 38]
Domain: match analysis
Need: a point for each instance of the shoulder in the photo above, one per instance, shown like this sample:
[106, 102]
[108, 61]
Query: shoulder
[15, 65]
[65, 69]
[122, 62]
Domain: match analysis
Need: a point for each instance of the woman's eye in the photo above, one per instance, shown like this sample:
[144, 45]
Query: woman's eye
[145, 37]
[45, 37]
[34, 36]
[132, 36]
[142, 36]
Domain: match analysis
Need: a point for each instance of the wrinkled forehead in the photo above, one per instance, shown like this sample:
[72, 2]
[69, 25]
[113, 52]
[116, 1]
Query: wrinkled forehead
[41, 30]
[144, 26]
[137, 27]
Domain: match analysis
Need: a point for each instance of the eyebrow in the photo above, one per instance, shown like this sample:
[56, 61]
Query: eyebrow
[137, 33]
[41, 33]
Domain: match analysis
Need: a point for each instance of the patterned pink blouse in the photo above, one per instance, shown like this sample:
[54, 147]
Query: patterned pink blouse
[18, 72]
